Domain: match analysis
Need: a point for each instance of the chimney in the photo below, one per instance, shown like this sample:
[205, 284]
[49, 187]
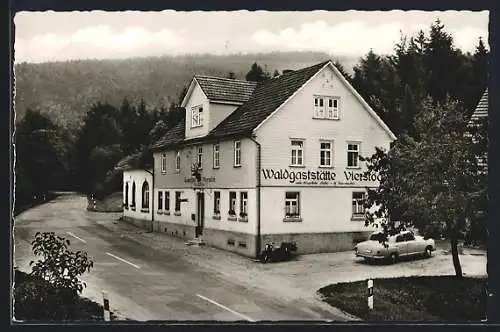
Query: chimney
[286, 71]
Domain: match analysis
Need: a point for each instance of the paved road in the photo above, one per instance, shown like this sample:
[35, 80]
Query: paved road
[144, 284]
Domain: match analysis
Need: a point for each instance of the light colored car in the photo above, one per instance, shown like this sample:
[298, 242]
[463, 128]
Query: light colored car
[391, 248]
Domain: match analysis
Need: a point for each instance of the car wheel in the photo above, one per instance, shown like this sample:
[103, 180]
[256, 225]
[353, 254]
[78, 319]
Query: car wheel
[428, 252]
[393, 258]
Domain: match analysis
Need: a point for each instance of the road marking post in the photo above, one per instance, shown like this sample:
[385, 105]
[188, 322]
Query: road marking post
[370, 294]
[107, 312]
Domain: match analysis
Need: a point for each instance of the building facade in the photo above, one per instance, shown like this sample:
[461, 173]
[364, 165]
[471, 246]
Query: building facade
[279, 161]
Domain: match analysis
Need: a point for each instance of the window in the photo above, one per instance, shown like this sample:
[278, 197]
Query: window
[325, 154]
[326, 107]
[133, 195]
[145, 195]
[216, 155]
[232, 203]
[358, 209]
[196, 116]
[292, 206]
[199, 159]
[352, 154]
[237, 153]
[400, 238]
[178, 161]
[243, 204]
[332, 109]
[408, 236]
[216, 202]
[164, 163]
[126, 196]
[160, 200]
[297, 153]
[177, 201]
[167, 200]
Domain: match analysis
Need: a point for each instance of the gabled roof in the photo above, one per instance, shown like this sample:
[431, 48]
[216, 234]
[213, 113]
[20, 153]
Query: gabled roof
[266, 98]
[481, 110]
[223, 89]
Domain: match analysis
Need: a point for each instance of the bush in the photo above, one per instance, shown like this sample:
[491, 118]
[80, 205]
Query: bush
[51, 290]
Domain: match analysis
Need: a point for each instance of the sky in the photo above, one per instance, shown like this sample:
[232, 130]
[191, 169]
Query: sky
[55, 36]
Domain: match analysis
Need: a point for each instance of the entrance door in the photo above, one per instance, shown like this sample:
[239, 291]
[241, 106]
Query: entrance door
[200, 213]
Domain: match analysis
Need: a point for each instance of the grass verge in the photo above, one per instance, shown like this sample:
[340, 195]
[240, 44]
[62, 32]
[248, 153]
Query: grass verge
[440, 298]
[35, 300]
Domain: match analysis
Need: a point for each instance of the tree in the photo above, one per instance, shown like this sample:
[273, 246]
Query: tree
[42, 156]
[276, 73]
[256, 74]
[429, 181]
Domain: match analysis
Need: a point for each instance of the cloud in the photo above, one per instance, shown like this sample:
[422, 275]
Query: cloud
[353, 38]
[98, 42]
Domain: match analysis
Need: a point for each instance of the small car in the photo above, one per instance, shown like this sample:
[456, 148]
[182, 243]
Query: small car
[405, 243]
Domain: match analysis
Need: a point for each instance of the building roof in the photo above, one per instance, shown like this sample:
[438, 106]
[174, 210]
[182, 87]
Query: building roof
[481, 110]
[266, 98]
[138, 160]
[174, 136]
[225, 89]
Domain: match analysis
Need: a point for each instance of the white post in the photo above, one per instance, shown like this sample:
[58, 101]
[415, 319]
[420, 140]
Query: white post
[107, 313]
[370, 294]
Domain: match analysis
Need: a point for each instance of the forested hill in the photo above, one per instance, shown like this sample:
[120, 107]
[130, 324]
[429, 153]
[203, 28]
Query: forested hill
[66, 90]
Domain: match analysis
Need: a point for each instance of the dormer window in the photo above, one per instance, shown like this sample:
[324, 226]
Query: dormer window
[197, 116]
[326, 107]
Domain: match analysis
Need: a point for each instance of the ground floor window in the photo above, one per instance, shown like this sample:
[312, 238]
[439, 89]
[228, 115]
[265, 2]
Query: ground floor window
[216, 202]
[126, 196]
[145, 195]
[167, 200]
[133, 196]
[358, 199]
[178, 201]
[243, 205]
[232, 203]
[160, 200]
[292, 204]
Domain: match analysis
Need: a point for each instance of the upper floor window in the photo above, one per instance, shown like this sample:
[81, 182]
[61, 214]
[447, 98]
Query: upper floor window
[177, 161]
[216, 155]
[326, 107]
[197, 116]
[164, 163]
[199, 157]
[237, 153]
[325, 154]
[297, 153]
[353, 154]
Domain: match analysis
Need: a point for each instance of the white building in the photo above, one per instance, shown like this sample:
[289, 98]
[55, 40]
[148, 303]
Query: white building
[278, 162]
